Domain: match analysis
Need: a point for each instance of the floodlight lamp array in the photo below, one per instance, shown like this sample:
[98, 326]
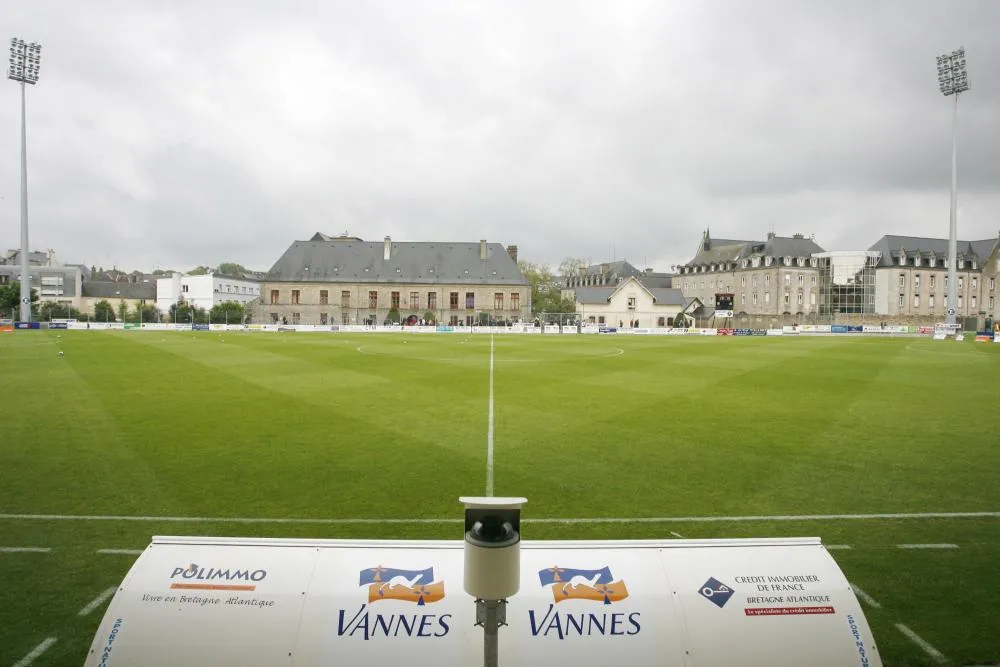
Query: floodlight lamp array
[25, 61]
[952, 77]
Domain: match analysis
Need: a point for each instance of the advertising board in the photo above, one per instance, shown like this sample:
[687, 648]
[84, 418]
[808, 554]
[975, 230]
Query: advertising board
[211, 601]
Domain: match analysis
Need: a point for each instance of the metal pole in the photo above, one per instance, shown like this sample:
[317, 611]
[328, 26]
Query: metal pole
[490, 634]
[25, 277]
[951, 314]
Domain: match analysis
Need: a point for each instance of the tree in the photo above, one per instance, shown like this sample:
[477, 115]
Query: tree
[200, 271]
[572, 265]
[103, 312]
[50, 310]
[227, 312]
[146, 313]
[430, 317]
[122, 310]
[231, 269]
[393, 316]
[183, 312]
[10, 297]
[163, 272]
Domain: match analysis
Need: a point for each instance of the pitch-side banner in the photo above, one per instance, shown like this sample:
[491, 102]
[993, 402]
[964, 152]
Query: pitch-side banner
[206, 601]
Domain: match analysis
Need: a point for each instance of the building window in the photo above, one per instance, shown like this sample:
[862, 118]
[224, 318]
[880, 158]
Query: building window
[600, 319]
[931, 281]
[743, 281]
[470, 300]
[295, 318]
[743, 299]
[930, 300]
[787, 301]
[432, 301]
[916, 300]
[274, 318]
[274, 297]
[184, 288]
[295, 296]
[755, 298]
[993, 284]
[394, 301]
[802, 280]
[975, 283]
[498, 301]
[902, 280]
[753, 282]
[800, 298]
[959, 300]
[916, 281]
[767, 297]
[322, 318]
[345, 318]
[414, 300]
[812, 299]
[373, 300]
[345, 298]
[961, 282]
[324, 297]
[767, 280]
[453, 301]
[631, 303]
[515, 301]
[814, 281]
[992, 302]
[946, 282]
[902, 300]
[661, 321]
[973, 299]
[788, 280]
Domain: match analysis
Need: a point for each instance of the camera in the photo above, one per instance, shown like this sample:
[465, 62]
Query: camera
[492, 547]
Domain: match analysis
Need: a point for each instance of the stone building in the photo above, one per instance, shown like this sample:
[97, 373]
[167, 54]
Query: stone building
[345, 280]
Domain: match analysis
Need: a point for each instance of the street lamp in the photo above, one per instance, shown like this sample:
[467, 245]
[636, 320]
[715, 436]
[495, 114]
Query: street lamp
[953, 80]
[25, 60]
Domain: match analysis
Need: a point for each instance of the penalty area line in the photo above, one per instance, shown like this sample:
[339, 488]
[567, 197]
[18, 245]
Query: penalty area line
[35, 653]
[540, 520]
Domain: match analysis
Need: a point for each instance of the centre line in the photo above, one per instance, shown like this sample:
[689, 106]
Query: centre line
[489, 431]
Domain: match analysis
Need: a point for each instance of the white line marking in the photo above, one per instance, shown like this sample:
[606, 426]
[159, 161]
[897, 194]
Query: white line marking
[489, 431]
[834, 547]
[97, 602]
[676, 534]
[123, 552]
[37, 651]
[864, 597]
[916, 639]
[568, 520]
[18, 550]
[927, 546]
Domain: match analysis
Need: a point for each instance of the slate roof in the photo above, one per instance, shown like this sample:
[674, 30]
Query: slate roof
[654, 280]
[105, 289]
[728, 250]
[890, 245]
[347, 260]
[664, 296]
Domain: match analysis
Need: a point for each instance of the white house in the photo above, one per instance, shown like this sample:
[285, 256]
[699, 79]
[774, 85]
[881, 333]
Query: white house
[204, 291]
[630, 303]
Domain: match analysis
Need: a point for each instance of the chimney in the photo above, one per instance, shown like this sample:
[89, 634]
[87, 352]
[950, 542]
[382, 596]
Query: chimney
[482, 249]
[798, 236]
[512, 251]
[387, 249]
[770, 236]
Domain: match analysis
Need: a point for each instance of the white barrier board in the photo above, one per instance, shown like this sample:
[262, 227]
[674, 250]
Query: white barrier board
[212, 601]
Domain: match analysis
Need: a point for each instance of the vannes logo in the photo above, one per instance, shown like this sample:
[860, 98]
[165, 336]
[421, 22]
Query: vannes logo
[587, 587]
[390, 584]
[196, 577]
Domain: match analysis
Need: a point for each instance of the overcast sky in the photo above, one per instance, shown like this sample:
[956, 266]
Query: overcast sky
[172, 134]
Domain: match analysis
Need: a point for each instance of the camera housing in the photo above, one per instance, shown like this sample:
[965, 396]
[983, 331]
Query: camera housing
[492, 546]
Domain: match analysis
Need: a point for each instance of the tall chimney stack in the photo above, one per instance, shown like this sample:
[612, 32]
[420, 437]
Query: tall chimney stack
[387, 249]
[482, 249]
[512, 251]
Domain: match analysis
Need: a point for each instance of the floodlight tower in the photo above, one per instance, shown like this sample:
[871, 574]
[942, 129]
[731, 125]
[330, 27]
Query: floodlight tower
[953, 80]
[25, 60]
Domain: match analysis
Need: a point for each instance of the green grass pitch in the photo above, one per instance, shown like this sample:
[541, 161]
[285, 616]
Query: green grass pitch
[198, 424]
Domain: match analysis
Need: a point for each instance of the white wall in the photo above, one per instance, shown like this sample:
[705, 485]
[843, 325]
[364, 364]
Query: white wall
[204, 291]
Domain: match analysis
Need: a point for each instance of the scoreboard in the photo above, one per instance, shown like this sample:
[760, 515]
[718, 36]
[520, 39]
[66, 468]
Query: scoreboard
[724, 305]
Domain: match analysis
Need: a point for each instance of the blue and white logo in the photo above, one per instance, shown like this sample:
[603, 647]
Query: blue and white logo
[716, 592]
